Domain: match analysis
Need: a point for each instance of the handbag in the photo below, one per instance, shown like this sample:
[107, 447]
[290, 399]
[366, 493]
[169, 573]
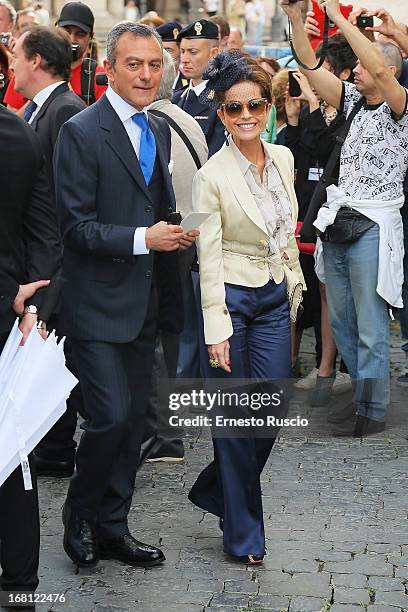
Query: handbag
[348, 226]
[308, 248]
[319, 197]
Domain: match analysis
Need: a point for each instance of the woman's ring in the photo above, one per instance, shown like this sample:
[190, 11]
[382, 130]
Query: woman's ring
[214, 363]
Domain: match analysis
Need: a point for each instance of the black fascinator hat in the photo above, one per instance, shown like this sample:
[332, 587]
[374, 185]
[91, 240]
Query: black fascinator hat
[223, 72]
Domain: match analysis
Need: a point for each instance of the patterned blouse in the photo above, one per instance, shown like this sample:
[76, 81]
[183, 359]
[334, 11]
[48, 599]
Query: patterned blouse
[271, 198]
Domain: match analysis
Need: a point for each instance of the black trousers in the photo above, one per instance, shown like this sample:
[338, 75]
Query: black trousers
[163, 384]
[19, 529]
[115, 382]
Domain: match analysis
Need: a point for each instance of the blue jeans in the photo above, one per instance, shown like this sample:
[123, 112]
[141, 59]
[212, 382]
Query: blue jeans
[359, 319]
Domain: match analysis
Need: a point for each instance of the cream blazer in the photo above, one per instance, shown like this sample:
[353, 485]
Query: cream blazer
[234, 241]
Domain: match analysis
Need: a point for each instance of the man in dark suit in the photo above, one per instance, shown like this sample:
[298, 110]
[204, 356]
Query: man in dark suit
[29, 253]
[199, 43]
[121, 264]
[42, 66]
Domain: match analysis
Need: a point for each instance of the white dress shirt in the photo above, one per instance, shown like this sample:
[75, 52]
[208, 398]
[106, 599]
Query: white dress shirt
[125, 112]
[42, 96]
[198, 89]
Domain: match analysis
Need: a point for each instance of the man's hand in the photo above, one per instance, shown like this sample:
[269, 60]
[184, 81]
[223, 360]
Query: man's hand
[332, 9]
[11, 43]
[25, 292]
[163, 237]
[387, 26]
[312, 25]
[292, 10]
[220, 353]
[26, 325]
[353, 19]
[187, 240]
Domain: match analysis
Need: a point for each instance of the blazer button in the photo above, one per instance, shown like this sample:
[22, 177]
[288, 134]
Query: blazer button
[2, 297]
[225, 311]
[148, 273]
[149, 208]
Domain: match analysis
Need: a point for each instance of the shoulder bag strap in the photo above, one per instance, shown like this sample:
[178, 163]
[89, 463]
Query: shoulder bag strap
[182, 135]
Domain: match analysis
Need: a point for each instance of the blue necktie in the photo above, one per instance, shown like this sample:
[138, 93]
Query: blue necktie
[147, 153]
[31, 106]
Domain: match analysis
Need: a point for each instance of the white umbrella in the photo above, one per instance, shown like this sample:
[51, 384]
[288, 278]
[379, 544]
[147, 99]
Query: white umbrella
[34, 387]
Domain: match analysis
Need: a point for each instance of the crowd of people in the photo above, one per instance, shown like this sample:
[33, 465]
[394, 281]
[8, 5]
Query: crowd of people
[302, 197]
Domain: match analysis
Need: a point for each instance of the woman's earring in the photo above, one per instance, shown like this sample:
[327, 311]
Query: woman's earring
[226, 133]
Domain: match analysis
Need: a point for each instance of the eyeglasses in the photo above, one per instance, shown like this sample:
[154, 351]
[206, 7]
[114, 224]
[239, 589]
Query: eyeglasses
[255, 107]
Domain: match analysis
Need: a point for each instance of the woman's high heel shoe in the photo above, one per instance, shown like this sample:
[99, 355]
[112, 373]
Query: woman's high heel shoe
[251, 559]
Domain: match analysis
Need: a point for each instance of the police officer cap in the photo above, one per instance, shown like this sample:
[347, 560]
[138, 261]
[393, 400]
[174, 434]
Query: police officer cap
[169, 31]
[200, 29]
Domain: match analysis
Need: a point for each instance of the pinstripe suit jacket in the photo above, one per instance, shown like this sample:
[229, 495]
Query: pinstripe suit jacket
[101, 198]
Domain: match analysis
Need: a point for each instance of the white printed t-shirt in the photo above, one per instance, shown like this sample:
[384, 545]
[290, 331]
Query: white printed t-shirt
[374, 157]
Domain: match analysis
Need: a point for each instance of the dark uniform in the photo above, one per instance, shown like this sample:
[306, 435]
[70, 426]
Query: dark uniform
[187, 99]
[169, 33]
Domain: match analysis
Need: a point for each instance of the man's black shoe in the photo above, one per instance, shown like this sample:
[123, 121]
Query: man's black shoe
[360, 427]
[128, 550]
[80, 542]
[51, 467]
[348, 413]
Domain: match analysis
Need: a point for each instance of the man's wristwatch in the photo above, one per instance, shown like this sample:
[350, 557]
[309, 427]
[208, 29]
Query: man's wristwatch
[30, 309]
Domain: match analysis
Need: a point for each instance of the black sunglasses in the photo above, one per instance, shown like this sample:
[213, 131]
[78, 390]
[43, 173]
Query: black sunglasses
[256, 107]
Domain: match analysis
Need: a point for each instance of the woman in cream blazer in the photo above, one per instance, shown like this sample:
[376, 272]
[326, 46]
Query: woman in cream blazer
[251, 286]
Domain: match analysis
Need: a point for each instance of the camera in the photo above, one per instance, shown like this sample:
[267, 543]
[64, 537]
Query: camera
[364, 21]
[4, 40]
[76, 51]
[101, 78]
[294, 88]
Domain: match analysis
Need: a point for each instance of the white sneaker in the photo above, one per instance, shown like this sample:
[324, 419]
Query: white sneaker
[342, 383]
[307, 382]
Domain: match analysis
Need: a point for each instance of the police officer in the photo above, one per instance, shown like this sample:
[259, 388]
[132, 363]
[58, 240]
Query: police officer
[169, 33]
[199, 43]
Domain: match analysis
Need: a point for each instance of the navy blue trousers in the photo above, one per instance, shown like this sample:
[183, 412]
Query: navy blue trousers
[259, 348]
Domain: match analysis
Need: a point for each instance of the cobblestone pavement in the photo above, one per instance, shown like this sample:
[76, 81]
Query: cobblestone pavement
[336, 525]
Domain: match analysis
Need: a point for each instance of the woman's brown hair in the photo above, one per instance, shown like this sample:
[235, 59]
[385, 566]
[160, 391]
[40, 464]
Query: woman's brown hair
[255, 74]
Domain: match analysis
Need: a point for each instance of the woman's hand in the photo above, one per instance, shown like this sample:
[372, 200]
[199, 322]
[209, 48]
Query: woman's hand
[292, 108]
[307, 92]
[220, 353]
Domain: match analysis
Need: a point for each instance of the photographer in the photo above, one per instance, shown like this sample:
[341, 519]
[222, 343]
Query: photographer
[78, 21]
[361, 222]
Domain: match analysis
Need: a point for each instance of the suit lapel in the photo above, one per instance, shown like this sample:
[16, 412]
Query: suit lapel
[241, 189]
[118, 140]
